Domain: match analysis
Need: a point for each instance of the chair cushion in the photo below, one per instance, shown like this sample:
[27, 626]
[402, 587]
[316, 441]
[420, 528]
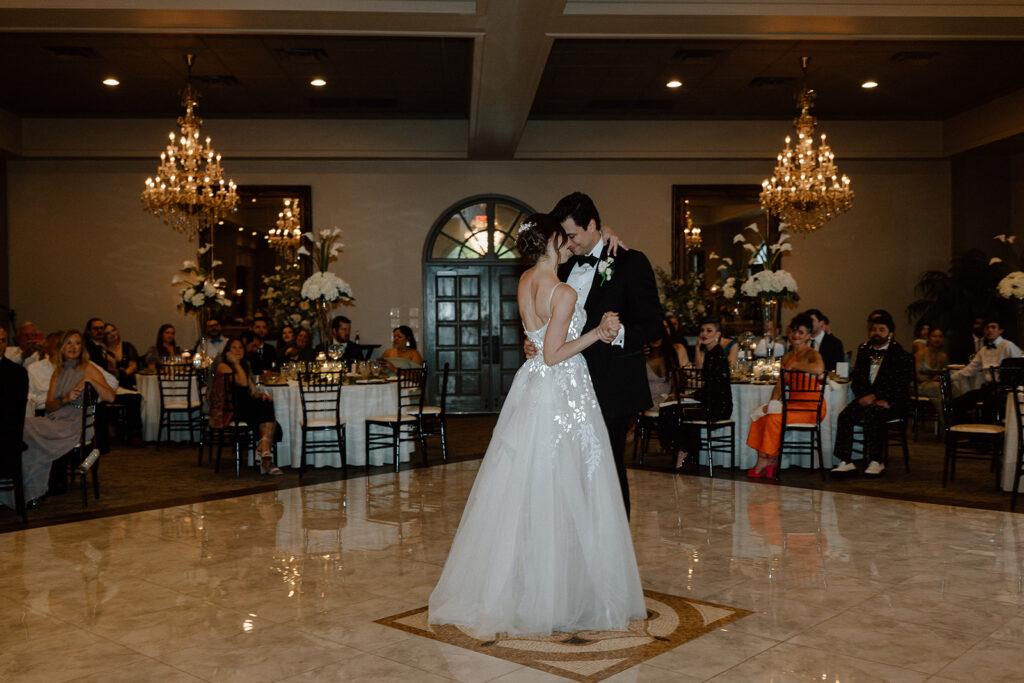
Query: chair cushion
[180, 405]
[978, 429]
[391, 418]
[652, 412]
[321, 422]
[714, 423]
[431, 410]
[801, 425]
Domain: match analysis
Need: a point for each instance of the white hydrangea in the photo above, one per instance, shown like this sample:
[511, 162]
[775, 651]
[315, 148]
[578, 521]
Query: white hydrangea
[1012, 286]
[769, 284]
[328, 286]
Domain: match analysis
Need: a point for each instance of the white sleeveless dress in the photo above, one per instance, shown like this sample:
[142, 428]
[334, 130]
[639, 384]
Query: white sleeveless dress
[544, 544]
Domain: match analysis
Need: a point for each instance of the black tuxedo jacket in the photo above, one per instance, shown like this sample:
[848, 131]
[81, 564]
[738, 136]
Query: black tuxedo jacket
[620, 373]
[892, 383]
[13, 395]
[831, 351]
[262, 360]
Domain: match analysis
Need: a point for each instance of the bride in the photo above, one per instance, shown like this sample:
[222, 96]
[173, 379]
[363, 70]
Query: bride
[544, 543]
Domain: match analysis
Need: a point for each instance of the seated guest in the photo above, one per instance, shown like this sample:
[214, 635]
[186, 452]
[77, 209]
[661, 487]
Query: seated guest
[921, 333]
[662, 361]
[881, 390]
[778, 348]
[287, 336]
[213, 338]
[711, 328]
[51, 437]
[39, 375]
[126, 361]
[13, 395]
[341, 331]
[250, 406]
[264, 352]
[164, 349]
[714, 394]
[94, 341]
[123, 354]
[677, 342]
[929, 362]
[27, 345]
[824, 342]
[766, 431]
[974, 382]
[302, 348]
[403, 346]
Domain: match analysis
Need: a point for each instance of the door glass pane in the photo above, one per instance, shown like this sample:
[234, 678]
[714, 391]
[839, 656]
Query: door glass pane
[450, 242]
[506, 222]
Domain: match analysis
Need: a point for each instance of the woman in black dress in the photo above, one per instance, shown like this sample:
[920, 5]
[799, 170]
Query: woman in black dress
[251, 406]
[714, 394]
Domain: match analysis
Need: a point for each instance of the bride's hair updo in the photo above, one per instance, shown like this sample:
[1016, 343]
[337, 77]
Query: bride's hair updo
[534, 232]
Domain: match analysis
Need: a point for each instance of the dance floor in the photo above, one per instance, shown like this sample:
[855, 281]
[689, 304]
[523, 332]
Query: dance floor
[292, 584]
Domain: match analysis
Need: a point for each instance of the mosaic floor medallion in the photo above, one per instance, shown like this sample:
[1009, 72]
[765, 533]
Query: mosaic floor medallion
[588, 655]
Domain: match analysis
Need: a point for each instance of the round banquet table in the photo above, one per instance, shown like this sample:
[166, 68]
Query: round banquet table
[358, 402]
[747, 397]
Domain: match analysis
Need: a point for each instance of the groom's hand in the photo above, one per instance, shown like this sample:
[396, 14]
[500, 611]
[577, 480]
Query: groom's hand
[609, 327]
[529, 349]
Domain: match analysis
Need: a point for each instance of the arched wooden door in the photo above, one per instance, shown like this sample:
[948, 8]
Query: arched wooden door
[470, 314]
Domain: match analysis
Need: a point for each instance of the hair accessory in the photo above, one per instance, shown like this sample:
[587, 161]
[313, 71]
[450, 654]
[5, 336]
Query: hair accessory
[523, 227]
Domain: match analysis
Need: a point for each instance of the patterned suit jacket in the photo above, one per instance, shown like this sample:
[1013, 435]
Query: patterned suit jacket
[892, 383]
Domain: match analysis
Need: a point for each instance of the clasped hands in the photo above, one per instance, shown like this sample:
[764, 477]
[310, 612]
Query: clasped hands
[609, 327]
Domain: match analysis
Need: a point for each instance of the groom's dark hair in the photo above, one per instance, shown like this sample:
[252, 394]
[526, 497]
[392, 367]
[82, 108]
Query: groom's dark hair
[579, 207]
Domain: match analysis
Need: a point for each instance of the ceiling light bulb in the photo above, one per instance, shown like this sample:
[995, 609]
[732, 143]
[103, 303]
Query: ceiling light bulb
[674, 84]
[867, 85]
[111, 81]
[318, 82]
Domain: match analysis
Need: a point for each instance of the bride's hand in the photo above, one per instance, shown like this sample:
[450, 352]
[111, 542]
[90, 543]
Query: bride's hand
[609, 327]
[529, 348]
[613, 241]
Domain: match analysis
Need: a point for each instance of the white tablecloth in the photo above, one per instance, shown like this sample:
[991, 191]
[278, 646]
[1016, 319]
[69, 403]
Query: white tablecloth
[358, 402]
[1009, 444]
[148, 387]
[746, 397]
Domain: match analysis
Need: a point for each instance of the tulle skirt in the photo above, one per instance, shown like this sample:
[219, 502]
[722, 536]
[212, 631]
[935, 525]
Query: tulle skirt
[544, 544]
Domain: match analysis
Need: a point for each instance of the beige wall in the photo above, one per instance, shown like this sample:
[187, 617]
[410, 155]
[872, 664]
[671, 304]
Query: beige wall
[95, 252]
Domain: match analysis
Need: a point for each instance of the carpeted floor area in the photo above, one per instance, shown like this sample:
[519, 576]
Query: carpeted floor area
[134, 479]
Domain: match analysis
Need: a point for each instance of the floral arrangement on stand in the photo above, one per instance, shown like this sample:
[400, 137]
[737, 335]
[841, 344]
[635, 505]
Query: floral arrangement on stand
[1012, 284]
[203, 291]
[324, 289]
[683, 298]
[282, 298]
[771, 283]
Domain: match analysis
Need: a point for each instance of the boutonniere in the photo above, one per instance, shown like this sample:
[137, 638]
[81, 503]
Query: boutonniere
[606, 268]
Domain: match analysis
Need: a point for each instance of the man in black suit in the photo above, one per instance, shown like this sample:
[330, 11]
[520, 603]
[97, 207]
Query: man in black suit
[826, 343]
[341, 331]
[881, 389]
[261, 354]
[13, 397]
[623, 284]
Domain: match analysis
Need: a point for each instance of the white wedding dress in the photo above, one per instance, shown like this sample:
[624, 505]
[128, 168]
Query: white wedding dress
[544, 544]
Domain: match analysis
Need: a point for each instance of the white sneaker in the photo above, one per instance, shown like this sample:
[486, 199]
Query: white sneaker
[843, 466]
[874, 468]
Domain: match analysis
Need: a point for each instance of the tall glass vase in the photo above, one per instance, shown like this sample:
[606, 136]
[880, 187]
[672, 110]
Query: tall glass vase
[770, 313]
[323, 319]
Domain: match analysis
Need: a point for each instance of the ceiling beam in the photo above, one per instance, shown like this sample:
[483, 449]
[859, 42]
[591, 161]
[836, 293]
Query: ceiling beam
[508, 62]
[990, 122]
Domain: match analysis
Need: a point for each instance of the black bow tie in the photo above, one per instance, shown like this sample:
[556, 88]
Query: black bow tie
[877, 354]
[989, 345]
[587, 260]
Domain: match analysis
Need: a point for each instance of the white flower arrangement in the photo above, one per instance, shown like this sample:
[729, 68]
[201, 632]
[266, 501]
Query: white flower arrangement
[323, 285]
[326, 286]
[282, 297]
[771, 284]
[1012, 286]
[202, 289]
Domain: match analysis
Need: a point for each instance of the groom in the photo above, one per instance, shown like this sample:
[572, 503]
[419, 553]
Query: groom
[625, 284]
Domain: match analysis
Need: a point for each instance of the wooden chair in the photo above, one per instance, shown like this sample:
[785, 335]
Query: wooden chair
[11, 476]
[433, 420]
[806, 408]
[967, 440]
[402, 425]
[646, 423]
[921, 409]
[84, 457]
[895, 435]
[178, 411]
[235, 433]
[320, 394]
[711, 441]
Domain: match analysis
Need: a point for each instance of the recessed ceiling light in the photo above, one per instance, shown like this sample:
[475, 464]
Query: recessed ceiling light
[868, 85]
[111, 81]
[318, 82]
[674, 84]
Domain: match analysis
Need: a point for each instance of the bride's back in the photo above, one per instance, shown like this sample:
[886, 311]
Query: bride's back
[534, 295]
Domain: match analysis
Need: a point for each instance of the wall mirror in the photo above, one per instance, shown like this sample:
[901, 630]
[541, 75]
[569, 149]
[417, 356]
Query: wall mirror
[720, 212]
[241, 243]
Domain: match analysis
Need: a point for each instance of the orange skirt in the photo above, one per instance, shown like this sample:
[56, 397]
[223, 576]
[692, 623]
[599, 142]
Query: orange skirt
[766, 432]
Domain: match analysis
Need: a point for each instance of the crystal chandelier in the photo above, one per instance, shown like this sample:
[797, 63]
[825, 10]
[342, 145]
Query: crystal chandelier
[691, 232]
[286, 236]
[189, 192]
[805, 189]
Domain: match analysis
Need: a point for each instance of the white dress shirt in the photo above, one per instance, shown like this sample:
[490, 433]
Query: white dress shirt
[761, 351]
[15, 355]
[974, 375]
[876, 363]
[581, 278]
[816, 340]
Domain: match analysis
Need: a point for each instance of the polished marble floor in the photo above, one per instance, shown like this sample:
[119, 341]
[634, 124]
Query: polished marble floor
[287, 584]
